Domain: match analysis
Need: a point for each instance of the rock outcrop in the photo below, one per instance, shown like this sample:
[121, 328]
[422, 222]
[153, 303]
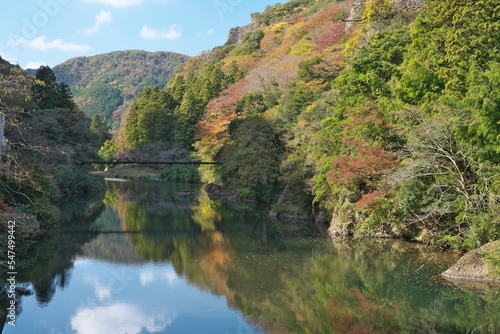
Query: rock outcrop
[358, 8]
[236, 34]
[407, 5]
[477, 265]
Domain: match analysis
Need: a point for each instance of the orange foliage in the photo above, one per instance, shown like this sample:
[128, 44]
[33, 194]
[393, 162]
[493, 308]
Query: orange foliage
[211, 130]
[295, 18]
[281, 69]
[366, 163]
[328, 34]
[369, 200]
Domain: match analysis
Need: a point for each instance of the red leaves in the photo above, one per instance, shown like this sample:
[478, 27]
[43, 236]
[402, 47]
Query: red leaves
[328, 34]
[366, 163]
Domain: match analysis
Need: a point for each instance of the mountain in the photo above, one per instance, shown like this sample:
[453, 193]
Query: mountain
[106, 84]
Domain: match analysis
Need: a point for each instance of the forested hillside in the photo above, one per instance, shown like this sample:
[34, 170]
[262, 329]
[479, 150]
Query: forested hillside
[106, 84]
[47, 136]
[386, 125]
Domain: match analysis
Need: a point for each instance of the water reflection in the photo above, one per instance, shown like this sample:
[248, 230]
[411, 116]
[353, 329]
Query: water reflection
[119, 318]
[156, 261]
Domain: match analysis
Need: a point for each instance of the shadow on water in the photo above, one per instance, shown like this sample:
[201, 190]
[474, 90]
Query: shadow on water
[283, 282]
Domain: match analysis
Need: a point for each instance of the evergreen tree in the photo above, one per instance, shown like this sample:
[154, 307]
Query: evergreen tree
[48, 94]
[100, 129]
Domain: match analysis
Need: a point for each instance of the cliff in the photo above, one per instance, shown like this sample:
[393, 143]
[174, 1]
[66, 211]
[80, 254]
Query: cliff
[236, 34]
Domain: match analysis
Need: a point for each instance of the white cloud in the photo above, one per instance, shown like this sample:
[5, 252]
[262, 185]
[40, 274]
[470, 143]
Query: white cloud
[119, 318]
[40, 43]
[173, 32]
[169, 276]
[102, 18]
[35, 64]
[147, 277]
[118, 3]
[102, 292]
[210, 31]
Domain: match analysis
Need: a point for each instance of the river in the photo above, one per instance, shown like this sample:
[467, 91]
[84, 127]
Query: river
[163, 258]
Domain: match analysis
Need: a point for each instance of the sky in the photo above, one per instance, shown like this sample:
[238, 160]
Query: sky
[48, 32]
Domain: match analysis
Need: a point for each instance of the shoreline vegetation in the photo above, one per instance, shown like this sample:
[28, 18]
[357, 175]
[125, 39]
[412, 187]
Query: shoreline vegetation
[386, 127]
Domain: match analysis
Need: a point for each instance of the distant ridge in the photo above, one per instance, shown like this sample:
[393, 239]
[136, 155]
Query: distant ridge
[107, 84]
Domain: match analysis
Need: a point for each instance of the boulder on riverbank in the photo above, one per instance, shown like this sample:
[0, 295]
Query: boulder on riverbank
[482, 264]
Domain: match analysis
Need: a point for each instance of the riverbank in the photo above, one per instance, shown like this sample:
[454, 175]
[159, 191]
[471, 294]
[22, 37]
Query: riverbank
[131, 172]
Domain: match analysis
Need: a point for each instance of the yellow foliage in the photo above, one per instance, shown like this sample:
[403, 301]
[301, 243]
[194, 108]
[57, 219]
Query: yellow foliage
[279, 27]
[375, 6]
[352, 44]
[303, 48]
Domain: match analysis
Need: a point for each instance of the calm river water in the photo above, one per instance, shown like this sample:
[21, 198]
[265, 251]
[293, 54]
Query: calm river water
[147, 260]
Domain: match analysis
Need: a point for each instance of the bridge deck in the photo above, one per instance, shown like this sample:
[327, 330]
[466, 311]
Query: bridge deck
[126, 162]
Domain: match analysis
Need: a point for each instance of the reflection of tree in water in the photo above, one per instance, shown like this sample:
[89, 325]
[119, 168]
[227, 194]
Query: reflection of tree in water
[293, 284]
[367, 287]
[56, 251]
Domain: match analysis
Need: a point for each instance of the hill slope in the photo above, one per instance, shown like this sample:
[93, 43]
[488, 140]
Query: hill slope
[106, 84]
[388, 125]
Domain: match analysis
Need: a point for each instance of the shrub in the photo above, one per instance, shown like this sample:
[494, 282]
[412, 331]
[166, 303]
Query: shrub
[181, 173]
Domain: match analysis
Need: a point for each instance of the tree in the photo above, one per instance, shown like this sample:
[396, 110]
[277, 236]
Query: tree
[65, 96]
[48, 94]
[151, 117]
[440, 187]
[100, 129]
[252, 160]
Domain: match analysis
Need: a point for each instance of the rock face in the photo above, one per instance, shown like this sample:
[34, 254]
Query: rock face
[358, 7]
[407, 5]
[236, 34]
[356, 11]
[477, 265]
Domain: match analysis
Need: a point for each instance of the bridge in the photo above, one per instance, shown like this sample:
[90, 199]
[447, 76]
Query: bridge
[130, 162]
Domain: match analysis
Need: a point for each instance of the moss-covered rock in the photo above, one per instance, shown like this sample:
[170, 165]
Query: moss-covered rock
[482, 264]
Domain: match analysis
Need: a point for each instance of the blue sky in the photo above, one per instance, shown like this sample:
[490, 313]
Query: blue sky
[48, 32]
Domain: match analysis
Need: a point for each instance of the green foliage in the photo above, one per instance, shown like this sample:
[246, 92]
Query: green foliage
[181, 173]
[151, 117]
[302, 48]
[100, 99]
[108, 83]
[252, 159]
[375, 65]
[251, 104]
[449, 35]
[99, 129]
[108, 150]
[171, 115]
[234, 74]
[493, 259]
[48, 94]
[249, 44]
[294, 100]
[483, 98]
[76, 181]
[314, 69]
[283, 12]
